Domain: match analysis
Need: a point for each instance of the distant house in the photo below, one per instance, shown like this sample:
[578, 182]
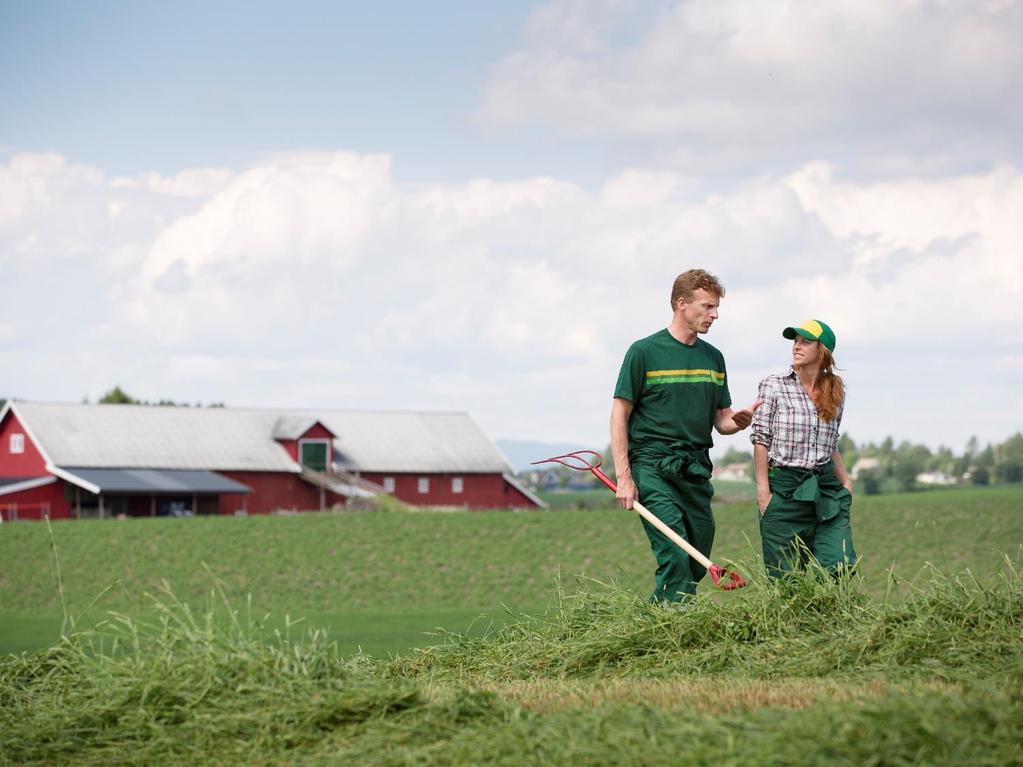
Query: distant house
[862, 465]
[106, 460]
[732, 472]
[935, 478]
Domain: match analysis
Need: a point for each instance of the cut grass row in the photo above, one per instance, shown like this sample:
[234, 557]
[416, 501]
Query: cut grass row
[805, 672]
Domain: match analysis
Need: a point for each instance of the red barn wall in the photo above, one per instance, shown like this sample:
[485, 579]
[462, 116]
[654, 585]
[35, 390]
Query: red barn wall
[270, 491]
[519, 499]
[274, 490]
[479, 491]
[28, 502]
[27, 464]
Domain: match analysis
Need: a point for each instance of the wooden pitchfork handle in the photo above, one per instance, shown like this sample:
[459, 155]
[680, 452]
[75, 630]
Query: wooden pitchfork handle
[732, 579]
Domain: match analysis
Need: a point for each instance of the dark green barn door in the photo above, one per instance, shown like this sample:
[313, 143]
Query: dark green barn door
[313, 455]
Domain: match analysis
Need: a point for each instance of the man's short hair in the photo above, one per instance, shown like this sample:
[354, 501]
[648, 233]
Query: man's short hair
[689, 282]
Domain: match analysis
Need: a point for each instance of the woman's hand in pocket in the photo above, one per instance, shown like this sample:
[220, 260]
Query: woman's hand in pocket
[763, 500]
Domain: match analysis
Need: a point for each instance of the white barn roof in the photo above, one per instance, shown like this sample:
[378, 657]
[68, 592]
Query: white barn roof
[242, 439]
[411, 441]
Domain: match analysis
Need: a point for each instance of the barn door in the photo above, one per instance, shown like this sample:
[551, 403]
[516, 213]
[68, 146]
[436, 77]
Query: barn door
[313, 454]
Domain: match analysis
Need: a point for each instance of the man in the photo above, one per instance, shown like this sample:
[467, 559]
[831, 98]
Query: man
[671, 391]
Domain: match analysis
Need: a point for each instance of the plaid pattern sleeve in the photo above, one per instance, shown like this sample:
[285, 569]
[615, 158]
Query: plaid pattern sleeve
[788, 425]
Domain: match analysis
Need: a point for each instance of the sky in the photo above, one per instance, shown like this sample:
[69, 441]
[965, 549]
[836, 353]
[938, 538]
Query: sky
[478, 207]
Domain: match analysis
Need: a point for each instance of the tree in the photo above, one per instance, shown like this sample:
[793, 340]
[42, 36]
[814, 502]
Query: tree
[1009, 472]
[735, 456]
[985, 458]
[869, 481]
[847, 449]
[846, 445]
[607, 464]
[907, 462]
[972, 446]
[1009, 459]
[962, 464]
[117, 396]
[981, 463]
[944, 460]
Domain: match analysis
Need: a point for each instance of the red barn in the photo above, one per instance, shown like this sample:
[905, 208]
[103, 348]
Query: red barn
[109, 460]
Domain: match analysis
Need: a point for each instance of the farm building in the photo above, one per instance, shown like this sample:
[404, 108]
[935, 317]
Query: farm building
[77, 461]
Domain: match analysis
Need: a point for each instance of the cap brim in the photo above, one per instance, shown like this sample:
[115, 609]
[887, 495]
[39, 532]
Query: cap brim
[791, 333]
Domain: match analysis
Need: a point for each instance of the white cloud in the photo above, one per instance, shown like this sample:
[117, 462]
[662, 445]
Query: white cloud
[31, 181]
[189, 183]
[928, 84]
[321, 280]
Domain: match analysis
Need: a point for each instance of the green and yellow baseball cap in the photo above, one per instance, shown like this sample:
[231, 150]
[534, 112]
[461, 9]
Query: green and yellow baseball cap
[813, 330]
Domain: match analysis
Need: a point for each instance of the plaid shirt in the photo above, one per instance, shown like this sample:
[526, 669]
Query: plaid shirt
[788, 425]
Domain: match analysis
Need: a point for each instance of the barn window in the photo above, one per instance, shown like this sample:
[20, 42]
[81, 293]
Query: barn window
[314, 453]
[17, 443]
[457, 486]
[423, 485]
[389, 484]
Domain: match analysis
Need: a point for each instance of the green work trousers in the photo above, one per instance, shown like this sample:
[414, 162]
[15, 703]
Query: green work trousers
[809, 514]
[683, 504]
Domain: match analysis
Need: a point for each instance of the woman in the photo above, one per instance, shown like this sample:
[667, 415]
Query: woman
[803, 491]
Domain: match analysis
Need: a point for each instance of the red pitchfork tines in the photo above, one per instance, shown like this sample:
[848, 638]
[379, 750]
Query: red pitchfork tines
[723, 578]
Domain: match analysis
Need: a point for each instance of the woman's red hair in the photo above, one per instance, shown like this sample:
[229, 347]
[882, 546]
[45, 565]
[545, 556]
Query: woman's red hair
[830, 390]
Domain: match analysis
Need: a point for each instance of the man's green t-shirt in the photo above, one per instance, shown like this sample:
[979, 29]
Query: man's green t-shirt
[675, 392]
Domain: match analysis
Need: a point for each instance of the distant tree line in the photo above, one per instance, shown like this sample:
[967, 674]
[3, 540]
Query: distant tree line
[117, 396]
[887, 468]
[900, 467]
[896, 468]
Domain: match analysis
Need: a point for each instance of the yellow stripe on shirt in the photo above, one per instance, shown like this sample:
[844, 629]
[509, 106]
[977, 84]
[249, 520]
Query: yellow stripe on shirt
[660, 373]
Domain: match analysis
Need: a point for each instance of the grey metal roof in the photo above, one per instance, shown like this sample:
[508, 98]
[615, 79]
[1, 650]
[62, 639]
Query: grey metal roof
[147, 437]
[242, 439]
[412, 441]
[162, 481]
[293, 427]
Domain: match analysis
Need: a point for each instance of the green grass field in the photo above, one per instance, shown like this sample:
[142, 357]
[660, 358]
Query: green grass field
[379, 581]
[921, 668]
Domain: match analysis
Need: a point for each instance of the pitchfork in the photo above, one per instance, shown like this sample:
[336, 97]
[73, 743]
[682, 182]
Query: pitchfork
[731, 579]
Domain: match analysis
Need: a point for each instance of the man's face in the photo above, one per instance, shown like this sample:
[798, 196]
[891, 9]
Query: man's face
[700, 311]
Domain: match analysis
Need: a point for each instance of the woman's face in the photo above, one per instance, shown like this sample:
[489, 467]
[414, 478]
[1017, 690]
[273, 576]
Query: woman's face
[805, 353]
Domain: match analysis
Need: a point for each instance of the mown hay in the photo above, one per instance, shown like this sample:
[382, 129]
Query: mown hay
[217, 686]
[806, 625]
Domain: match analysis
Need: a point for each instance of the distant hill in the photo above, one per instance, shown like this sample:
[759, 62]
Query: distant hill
[520, 453]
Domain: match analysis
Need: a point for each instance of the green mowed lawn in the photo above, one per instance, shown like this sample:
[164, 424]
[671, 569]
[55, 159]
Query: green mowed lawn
[924, 667]
[383, 581]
